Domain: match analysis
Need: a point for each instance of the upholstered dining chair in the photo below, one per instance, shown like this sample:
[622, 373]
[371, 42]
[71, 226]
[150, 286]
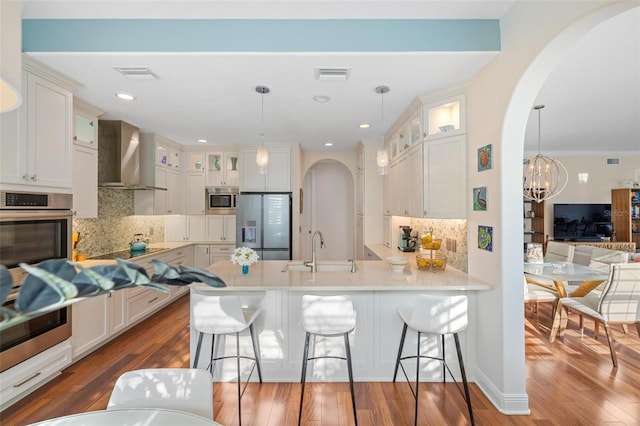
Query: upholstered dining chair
[560, 252]
[619, 303]
[534, 294]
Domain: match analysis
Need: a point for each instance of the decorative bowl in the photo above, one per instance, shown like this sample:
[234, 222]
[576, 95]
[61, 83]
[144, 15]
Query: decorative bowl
[431, 263]
[446, 128]
[397, 263]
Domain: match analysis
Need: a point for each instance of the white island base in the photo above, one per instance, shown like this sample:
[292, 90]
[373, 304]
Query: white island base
[377, 293]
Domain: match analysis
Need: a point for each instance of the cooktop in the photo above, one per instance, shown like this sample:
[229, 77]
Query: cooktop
[128, 254]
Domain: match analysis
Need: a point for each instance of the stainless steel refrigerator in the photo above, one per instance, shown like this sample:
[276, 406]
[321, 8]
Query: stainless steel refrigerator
[264, 224]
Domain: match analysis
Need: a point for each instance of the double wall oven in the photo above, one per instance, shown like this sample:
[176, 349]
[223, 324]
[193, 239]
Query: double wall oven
[33, 227]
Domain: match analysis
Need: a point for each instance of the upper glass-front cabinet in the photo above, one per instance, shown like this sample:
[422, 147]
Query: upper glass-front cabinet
[223, 169]
[445, 118]
[85, 130]
[195, 162]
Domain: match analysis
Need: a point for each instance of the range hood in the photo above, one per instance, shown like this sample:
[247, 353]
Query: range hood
[119, 156]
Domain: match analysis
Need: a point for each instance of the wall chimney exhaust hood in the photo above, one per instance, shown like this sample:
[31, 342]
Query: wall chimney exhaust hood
[119, 156]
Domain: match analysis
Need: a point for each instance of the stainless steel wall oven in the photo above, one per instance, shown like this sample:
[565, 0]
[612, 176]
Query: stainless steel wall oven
[33, 227]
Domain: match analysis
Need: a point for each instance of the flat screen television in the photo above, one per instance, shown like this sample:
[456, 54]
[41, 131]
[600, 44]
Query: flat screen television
[582, 222]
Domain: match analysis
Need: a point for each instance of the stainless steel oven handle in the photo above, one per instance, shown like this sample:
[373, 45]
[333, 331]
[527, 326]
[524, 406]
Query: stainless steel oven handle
[26, 380]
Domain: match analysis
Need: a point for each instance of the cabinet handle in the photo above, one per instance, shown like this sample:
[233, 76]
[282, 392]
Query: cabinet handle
[153, 300]
[26, 380]
[33, 178]
[25, 178]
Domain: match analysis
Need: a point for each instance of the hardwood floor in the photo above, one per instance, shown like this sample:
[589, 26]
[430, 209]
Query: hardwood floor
[570, 382]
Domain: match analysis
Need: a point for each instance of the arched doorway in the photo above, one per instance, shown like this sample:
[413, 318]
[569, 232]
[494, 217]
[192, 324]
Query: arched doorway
[327, 206]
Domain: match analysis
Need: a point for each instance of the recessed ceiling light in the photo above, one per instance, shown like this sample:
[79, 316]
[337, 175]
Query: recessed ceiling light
[321, 98]
[364, 126]
[125, 96]
[328, 144]
[202, 140]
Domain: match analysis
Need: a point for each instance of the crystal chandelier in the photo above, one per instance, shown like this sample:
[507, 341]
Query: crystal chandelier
[262, 155]
[543, 177]
[382, 156]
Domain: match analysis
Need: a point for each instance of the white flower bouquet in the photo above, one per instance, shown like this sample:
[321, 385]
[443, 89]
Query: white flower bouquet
[244, 256]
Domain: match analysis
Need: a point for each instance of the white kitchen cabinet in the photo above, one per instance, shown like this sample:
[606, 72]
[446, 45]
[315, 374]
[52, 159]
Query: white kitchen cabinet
[368, 195]
[195, 161]
[445, 178]
[415, 181]
[185, 228]
[85, 182]
[37, 137]
[141, 302]
[85, 160]
[169, 201]
[95, 320]
[201, 256]
[166, 154]
[405, 183]
[91, 322]
[386, 230]
[223, 169]
[18, 381]
[399, 175]
[208, 254]
[278, 176]
[196, 195]
[444, 117]
[359, 254]
[221, 228]
[159, 167]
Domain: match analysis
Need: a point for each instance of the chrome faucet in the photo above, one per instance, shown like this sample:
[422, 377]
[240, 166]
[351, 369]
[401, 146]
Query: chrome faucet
[314, 263]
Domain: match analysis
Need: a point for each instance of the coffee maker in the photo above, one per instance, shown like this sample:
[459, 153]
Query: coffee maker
[407, 242]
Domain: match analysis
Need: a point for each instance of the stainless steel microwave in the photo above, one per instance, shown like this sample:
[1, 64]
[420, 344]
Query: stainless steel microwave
[221, 200]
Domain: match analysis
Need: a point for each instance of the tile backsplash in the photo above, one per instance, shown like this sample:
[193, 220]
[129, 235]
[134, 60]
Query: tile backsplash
[115, 225]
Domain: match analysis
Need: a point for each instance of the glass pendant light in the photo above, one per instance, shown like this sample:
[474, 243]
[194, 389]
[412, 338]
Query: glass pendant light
[382, 156]
[543, 177]
[262, 155]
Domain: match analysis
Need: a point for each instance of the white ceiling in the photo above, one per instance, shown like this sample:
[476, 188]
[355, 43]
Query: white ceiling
[592, 99]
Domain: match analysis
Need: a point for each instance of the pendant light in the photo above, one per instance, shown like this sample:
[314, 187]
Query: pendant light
[382, 156]
[543, 177]
[262, 155]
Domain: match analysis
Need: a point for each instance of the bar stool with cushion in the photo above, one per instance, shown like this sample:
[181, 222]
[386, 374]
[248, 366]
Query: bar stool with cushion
[435, 315]
[181, 389]
[329, 316]
[224, 315]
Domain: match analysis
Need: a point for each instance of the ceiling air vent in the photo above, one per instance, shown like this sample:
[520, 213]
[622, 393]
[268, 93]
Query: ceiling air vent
[613, 161]
[333, 73]
[137, 73]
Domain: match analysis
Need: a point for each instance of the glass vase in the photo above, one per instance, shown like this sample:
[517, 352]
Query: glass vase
[245, 269]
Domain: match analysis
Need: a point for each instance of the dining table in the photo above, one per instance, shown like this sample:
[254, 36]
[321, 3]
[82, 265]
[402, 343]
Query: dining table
[130, 417]
[560, 273]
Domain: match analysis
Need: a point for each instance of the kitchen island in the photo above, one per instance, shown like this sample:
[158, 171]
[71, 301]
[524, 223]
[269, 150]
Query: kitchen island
[376, 291]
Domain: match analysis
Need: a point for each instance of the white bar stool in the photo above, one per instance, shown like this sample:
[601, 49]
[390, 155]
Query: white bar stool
[181, 389]
[328, 316]
[439, 315]
[223, 315]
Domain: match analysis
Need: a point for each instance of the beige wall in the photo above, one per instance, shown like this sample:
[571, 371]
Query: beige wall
[535, 35]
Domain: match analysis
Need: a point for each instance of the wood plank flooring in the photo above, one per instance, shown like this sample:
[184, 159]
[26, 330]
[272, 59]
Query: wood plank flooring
[570, 382]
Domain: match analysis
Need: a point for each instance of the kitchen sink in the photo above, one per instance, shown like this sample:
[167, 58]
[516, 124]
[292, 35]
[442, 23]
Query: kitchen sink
[324, 266]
